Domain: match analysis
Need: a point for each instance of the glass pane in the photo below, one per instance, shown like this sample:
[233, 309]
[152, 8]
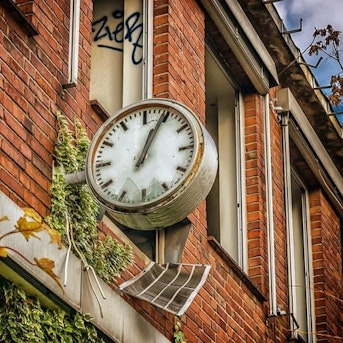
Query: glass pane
[117, 53]
[299, 258]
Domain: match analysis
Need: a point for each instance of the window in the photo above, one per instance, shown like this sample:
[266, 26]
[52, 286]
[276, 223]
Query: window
[298, 243]
[119, 48]
[299, 261]
[73, 56]
[225, 201]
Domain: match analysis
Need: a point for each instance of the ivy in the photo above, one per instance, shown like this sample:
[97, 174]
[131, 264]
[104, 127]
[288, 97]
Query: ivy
[179, 336]
[108, 257]
[24, 319]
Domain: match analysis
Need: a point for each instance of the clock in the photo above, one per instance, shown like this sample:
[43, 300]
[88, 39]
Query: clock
[151, 164]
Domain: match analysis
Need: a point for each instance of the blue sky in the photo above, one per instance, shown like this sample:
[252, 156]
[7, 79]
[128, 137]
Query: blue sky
[315, 14]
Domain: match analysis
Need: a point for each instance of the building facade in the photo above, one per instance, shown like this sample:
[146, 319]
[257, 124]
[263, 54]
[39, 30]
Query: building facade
[271, 226]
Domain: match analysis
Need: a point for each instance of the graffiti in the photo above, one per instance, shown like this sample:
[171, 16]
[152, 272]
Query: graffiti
[129, 29]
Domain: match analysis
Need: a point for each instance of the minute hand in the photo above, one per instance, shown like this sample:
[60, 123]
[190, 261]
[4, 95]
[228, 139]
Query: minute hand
[149, 140]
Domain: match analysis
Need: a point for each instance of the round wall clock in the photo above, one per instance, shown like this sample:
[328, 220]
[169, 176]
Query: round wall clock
[151, 164]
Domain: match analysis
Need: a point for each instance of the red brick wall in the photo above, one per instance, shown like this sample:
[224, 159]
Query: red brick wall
[179, 53]
[255, 191]
[27, 124]
[327, 267]
[33, 70]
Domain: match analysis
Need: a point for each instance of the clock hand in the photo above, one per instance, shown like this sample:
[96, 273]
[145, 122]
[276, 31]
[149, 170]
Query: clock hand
[147, 144]
[149, 140]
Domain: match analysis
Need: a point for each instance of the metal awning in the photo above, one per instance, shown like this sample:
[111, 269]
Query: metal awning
[171, 287]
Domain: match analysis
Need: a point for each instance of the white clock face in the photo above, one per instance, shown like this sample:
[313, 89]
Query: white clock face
[142, 156]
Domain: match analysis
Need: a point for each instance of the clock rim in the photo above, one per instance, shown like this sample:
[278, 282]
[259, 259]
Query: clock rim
[174, 191]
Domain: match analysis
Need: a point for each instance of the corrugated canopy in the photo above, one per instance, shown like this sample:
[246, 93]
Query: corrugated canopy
[171, 287]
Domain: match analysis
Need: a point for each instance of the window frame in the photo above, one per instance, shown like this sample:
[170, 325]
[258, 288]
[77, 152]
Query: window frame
[241, 259]
[289, 174]
[146, 83]
[306, 236]
[74, 35]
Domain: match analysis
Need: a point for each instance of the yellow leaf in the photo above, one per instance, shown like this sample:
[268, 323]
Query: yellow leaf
[30, 212]
[3, 252]
[28, 228]
[47, 266]
[55, 236]
[45, 263]
[3, 218]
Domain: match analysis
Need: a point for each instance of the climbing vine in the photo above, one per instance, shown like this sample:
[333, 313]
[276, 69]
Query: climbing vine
[75, 207]
[179, 336]
[24, 319]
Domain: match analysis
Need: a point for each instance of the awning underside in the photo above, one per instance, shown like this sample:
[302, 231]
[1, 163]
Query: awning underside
[170, 287]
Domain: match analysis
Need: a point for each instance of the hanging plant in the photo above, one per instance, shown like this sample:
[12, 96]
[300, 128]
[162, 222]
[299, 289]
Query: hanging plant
[24, 319]
[74, 205]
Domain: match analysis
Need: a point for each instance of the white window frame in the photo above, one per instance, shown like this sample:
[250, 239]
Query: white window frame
[148, 16]
[74, 33]
[241, 258]
[73, 53]
[241, 190]
[292, 282]
[306, 232]
[270, 210]
[122, 91]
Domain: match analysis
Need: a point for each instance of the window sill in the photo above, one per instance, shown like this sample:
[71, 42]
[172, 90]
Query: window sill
[19, 17]
[234, 266]
[98, 109]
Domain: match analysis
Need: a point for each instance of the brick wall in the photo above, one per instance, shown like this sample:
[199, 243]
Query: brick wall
[255, 191]
[327, 267]
[179, 53]
[33, 70]
[27, 122]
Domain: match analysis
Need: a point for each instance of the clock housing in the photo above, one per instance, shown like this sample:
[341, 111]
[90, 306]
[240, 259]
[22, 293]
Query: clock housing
[151, 164]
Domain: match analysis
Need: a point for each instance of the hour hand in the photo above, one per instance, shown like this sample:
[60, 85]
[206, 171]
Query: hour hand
[147, 144]
[149, 140]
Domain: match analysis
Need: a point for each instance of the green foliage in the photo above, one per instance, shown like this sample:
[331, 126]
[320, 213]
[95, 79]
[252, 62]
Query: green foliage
[179, 336]
[75, 202]
[23, 319]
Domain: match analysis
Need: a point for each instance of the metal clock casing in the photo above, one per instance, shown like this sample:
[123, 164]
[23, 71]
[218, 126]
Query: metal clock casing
[151, 164]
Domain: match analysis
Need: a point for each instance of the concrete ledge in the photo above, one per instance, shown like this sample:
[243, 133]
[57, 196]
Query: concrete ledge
[119, 320]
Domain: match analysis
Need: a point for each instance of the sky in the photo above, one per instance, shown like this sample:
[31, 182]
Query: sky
[315, 14]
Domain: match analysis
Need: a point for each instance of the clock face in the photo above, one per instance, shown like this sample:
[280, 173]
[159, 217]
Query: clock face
[142, 156]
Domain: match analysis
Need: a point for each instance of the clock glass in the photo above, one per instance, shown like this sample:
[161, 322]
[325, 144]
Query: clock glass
[142, 156]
